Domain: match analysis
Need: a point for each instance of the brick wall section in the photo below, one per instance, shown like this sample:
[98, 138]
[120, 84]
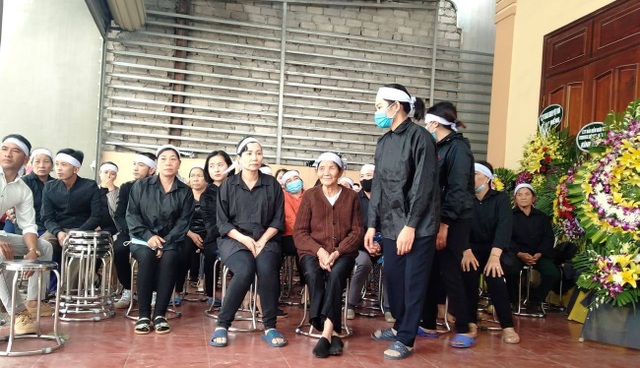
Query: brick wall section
[336, 58]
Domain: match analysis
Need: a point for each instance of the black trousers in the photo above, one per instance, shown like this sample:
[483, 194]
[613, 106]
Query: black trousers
[155, 274]
[325, 289]
[121, 261]
[447, 272]
[407, 280]
[550, 276]
[244, 267]
[497, 290]
[210, 256]
[189, 263]
[289, 249]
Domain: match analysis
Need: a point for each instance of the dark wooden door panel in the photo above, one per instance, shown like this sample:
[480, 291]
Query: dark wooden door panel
[615, 82]
[616, 28]
[567, 90]
[592, 66]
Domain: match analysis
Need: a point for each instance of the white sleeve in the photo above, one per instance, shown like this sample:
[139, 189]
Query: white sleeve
[25, 213]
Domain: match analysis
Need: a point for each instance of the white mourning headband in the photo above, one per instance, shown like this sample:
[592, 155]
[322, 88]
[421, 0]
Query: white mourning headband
[440, 120]
[145, 160]
[68, 159]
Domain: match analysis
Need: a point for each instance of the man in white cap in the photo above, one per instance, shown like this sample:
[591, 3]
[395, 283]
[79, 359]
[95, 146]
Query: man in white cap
[69, 202]
[16, 194]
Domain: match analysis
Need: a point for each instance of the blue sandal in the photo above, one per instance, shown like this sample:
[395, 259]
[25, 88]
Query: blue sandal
[400, 348]
[462, 341]
[385, 335]
[424, 333]
[220, 333]
[273, 334]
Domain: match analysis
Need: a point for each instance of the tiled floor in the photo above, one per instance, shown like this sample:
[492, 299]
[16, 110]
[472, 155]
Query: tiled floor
[550, 342]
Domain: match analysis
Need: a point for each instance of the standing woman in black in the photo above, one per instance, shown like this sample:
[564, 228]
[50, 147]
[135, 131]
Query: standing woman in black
[158, 216]
[217, 167]
[456, 212]
[489, 250]
[404, 205]
[250, 220]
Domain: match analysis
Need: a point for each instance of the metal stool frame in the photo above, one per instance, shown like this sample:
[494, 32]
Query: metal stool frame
[252, 309]
[174, 313]
[39, 267]
[87, 247]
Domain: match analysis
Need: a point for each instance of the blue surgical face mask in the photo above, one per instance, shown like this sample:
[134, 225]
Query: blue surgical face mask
[294, 187]
[480, 188]
[381, 119]
[433, 134]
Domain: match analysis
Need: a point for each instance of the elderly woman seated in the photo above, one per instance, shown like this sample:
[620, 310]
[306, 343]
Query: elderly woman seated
[327, 233]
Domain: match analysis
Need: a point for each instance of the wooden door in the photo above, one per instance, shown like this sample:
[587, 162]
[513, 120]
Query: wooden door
[592, 66]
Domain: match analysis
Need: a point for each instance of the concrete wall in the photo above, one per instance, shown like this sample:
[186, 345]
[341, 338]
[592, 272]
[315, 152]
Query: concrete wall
[50, 75]
[520, 29]
[314, 122]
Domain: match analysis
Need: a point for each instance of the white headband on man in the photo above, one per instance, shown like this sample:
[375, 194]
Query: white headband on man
[41, 151]
[288, 175]
[345, 179]
[367, 167]
[166, 147]
[440, 120]
[392, 94]
[330, 156]
[68, 159]
[145, 160]
[18, 143]
[111, 167]
[483, 170]
[523, 185]
[245, 142]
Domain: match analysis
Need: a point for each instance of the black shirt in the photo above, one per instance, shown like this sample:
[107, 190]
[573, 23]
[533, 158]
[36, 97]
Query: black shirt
[119, 216]
[78, 207]
[457, 178]
[405, 183]
[532, 234]
[251, 212]
[208, 205]
[492, 222]
[151, 212]
[37, 187]
[197, 220]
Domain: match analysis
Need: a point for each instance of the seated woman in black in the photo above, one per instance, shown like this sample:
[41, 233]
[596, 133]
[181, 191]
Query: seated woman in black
[488, 251]
[327, 233]
[217, 167]
[250, 219]
[194, 242]
[158, 216]
[532, 242]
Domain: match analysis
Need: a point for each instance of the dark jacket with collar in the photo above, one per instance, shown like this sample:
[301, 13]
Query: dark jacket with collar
[119, 216]
[532, 234]
[37, 187]
[492, 222]
[405, 183]
[456, 178]
[78, 208]
[251, 212]
[208, 204]
[151, 212]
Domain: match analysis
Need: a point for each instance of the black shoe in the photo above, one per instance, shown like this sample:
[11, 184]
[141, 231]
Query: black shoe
[336, 346]
[536, 309]
[322, 348]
